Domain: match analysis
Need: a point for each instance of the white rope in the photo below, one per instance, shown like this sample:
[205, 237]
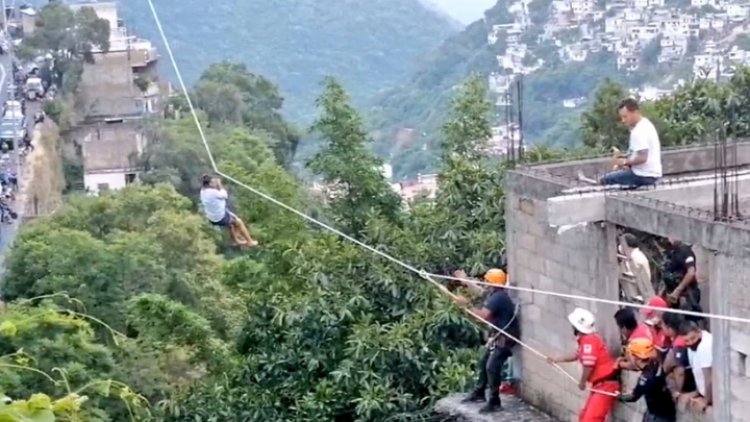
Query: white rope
[427, 276]
[598, 300]
[182, 84]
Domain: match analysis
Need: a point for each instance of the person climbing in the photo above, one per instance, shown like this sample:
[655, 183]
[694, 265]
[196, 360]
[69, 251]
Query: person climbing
[599, 368]
[680, 279]
[500, 310]
[652, 384]
[214, 200]
[642, 166]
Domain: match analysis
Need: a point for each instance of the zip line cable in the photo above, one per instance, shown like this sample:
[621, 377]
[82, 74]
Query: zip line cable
[325, 226]
[430, 277]
[182, 83]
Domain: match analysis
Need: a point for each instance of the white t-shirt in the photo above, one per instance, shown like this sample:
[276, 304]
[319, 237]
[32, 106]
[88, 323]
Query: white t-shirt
[644, 137]
[701, 359]
[214, 203]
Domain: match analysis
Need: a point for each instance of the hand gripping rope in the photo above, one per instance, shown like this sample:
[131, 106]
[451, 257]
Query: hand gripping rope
[430, 277]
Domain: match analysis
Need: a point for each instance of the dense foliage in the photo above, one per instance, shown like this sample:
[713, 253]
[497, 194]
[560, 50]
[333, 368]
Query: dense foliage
[132, 298]
[367, 45]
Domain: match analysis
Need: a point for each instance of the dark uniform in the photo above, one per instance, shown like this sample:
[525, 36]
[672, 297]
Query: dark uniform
[652, 385]
[503, 314]
[680, 259]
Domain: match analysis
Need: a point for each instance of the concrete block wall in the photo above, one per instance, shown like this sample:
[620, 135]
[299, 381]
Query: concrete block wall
[733, 378]
[581, 261]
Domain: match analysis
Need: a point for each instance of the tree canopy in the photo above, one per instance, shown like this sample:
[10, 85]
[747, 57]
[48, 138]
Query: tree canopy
[130, 306]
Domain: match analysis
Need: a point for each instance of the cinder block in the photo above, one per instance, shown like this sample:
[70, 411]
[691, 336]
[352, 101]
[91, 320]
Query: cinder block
[739, 341]
[740, 389]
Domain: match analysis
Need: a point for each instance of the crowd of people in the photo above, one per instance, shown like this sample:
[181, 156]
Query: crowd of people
[671, 352]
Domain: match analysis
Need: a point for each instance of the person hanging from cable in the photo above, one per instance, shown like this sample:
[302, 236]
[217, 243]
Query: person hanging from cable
[500, 310]
[652, 384]
[599, 368]
[214, 200]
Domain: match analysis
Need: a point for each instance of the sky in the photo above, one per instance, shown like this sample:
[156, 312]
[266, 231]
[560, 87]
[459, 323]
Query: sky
[465, 11]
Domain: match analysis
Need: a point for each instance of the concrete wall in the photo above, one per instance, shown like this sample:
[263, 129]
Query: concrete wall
[581, 261]
[114, 180]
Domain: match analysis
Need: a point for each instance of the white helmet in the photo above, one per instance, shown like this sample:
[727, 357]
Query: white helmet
[582, 320]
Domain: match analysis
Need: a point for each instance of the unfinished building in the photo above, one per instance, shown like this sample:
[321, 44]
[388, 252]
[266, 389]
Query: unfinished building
[688, 205]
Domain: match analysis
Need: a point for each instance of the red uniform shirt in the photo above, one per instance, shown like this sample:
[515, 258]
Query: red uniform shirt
[593, 353]
[660, 339]
[642, 331]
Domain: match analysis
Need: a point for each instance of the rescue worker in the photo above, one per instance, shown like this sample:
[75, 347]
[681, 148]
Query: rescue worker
[500, 310]
[652, 384]
[630, 330]
[654, 322]
[214, 200]
[680, 279]
[599, 368]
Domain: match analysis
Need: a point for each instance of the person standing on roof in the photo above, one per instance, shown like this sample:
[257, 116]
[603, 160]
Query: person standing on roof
[599, 369]
[652, 384]
[680, 279]
[642, 164]
[214, 200]
[500, 310]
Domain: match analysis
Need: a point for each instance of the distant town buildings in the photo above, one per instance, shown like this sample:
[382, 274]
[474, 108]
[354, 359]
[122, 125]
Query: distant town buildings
[119, 89]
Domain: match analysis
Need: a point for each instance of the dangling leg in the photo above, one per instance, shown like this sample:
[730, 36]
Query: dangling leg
[239, 225]
[236, 236]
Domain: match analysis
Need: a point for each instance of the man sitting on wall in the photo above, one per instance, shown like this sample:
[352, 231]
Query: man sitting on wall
[642, 165]
[500, 310]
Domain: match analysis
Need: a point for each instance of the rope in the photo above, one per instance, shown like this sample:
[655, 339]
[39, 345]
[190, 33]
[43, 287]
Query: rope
[430, 277]
[182, 84]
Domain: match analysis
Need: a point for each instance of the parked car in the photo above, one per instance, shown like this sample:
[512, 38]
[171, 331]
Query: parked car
[13, 110]
[10, 130]
[34, 88]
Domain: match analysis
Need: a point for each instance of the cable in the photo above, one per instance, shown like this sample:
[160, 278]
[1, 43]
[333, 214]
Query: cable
[599, 300]
[182, 84]
[427, 276]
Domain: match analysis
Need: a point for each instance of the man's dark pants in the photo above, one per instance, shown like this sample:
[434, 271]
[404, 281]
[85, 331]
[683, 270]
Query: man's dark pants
[648, 417]
[490, 369]
[627, 178]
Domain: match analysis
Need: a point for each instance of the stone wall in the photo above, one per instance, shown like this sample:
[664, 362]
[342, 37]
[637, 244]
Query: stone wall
[732, 298]
[581, 261]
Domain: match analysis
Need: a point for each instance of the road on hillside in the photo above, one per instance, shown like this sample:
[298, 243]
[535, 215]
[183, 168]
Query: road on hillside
[8, 232]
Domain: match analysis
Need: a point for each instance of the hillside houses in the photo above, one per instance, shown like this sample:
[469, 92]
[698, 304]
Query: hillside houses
[633, 30]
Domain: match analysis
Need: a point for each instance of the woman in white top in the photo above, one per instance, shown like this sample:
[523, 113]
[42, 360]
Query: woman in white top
[214, 200]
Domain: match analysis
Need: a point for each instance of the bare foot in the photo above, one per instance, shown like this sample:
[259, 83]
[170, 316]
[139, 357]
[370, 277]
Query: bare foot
[582, 178]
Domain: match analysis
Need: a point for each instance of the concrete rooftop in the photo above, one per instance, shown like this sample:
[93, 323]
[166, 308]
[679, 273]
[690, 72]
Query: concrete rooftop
[690, 183]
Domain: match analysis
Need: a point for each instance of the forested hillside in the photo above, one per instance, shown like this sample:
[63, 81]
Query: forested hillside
[561, 56]
[132, 307]
[368, 45]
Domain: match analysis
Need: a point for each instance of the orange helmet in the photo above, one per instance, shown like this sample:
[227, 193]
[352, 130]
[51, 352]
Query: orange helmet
[641, 348]
[496, 276]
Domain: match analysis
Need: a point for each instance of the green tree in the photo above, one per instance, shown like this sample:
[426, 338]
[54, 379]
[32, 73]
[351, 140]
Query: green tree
[229, 93]
[464, 224]
[70, 37]
[600, 123]
[355, 176]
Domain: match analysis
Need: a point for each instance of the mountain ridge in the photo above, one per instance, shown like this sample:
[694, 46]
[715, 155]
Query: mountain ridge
[368, 45]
